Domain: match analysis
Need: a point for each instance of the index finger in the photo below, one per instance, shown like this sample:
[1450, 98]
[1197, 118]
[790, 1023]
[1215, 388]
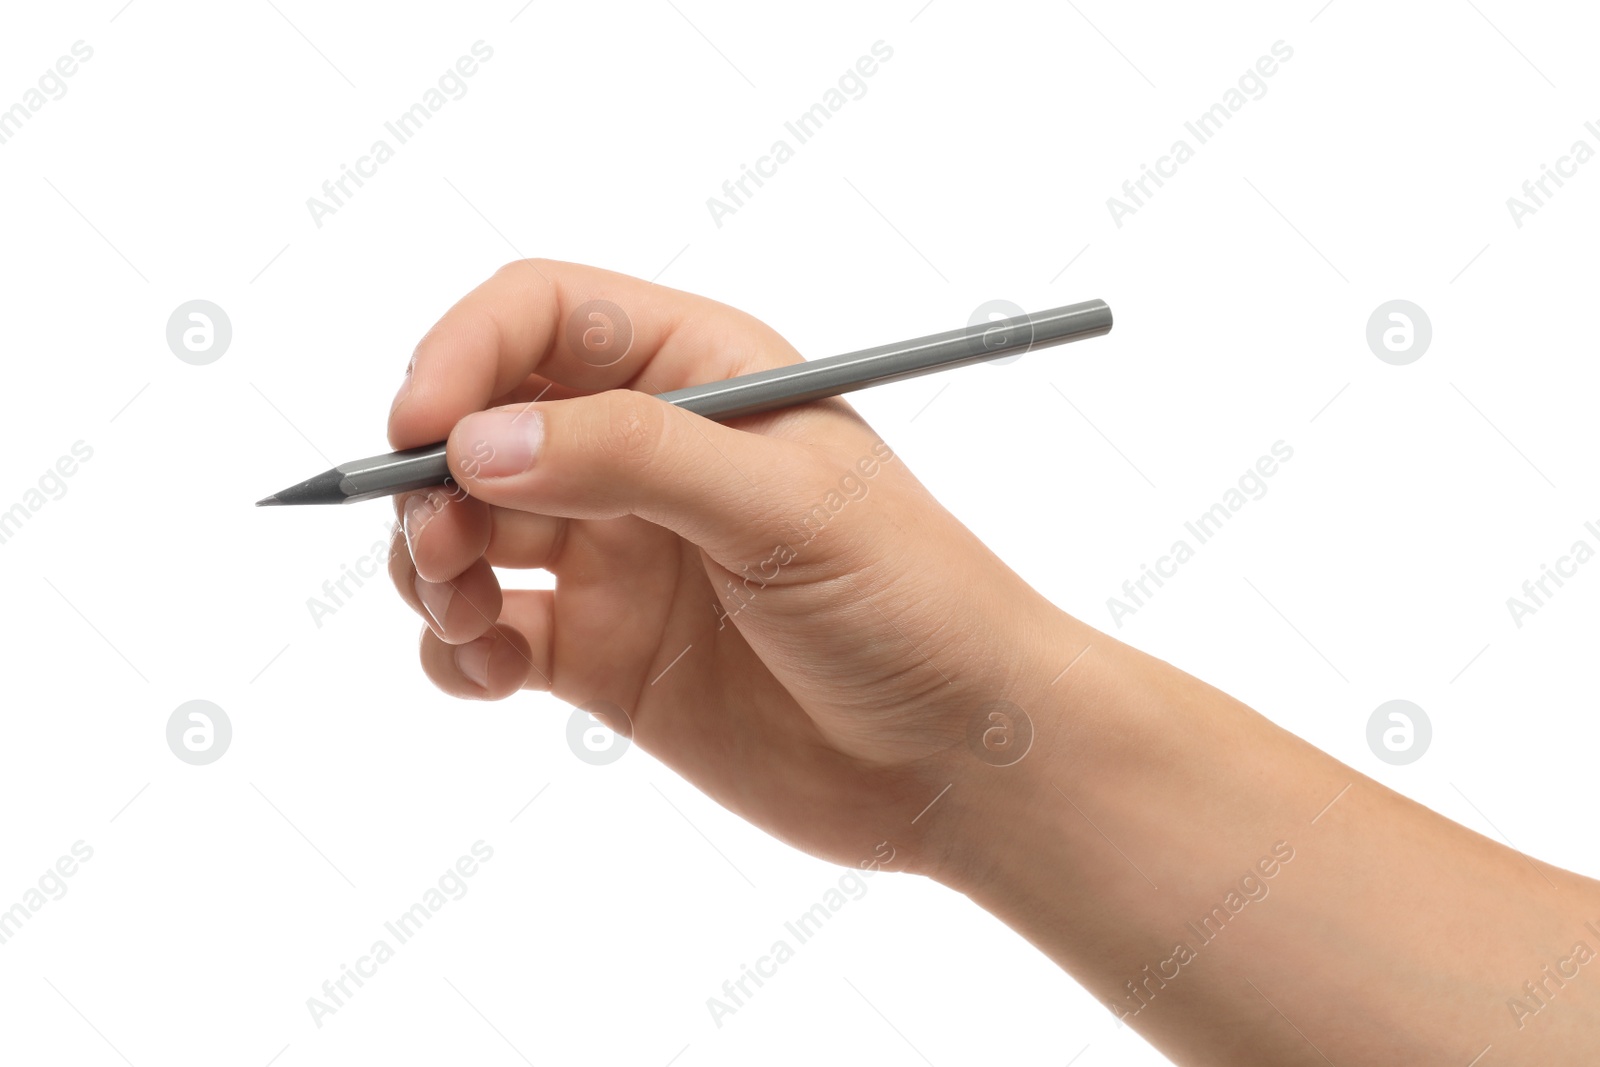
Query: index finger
[584, 329]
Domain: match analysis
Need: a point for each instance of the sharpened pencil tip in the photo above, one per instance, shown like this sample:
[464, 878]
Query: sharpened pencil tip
[325, 488]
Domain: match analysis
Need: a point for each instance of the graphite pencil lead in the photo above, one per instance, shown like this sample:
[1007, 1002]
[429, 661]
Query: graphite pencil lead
[325, 488]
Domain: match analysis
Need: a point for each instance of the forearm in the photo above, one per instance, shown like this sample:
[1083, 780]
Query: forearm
[1227, 889]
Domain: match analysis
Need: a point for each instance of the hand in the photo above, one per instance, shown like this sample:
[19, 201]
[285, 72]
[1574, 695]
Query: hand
[780, 611]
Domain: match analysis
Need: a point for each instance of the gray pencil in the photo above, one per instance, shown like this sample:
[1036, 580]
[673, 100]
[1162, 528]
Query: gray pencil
[749, 394]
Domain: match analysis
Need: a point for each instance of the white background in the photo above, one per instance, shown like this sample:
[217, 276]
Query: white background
[977, 166]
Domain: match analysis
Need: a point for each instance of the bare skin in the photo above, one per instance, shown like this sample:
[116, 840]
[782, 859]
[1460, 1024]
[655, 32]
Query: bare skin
[779, 611]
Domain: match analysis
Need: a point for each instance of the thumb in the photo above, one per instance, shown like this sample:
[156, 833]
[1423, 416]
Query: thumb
[734, 493]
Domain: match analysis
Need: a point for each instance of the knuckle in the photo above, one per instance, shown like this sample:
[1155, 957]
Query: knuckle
[533, 269]
[632, 431]
[466, 326]
[517, 265]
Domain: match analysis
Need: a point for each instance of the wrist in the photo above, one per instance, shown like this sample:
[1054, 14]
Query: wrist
[1143, 796]
[1067, 712]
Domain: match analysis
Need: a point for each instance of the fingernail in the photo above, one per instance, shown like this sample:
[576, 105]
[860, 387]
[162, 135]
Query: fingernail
[472, 660]
[499, 443]
[418, 510]
[405, 387]
[436, 597]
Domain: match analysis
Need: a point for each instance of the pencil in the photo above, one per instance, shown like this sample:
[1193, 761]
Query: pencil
[748, 394]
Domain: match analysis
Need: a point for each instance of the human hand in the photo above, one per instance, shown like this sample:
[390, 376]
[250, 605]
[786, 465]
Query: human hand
[780, 611]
